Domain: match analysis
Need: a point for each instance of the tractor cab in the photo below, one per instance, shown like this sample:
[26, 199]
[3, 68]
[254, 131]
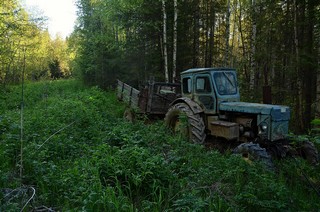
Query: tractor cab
[210, 86]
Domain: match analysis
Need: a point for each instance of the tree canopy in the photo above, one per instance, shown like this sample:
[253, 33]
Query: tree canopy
[271, 43]
[25, 44]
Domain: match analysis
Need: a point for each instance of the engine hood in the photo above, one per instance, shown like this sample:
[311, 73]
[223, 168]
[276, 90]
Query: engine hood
[277, 112]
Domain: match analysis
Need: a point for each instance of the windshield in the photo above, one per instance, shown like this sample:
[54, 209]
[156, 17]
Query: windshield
[226, 83]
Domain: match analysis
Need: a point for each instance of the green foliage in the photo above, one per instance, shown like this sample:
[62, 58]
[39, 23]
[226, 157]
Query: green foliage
[26, 49]
[315, 122]
[80, 155]
[124, 39]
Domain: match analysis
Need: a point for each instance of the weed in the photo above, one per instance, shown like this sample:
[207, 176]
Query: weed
[79, 154]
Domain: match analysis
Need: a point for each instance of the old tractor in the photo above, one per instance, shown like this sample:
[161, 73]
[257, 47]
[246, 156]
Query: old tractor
[209, 106]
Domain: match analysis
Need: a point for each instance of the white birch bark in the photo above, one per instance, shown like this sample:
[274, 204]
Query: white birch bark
[226, 58]
[175, 27]
[253, 46]
[165, 53]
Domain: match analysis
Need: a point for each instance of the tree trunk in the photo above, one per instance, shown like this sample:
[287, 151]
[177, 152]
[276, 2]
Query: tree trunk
[196, 35]
[310, 87]
[244, 52]
[253, 48]
[233, 59]
[299, 101]
[165, 53]
[317, 115]
[175, 26]
[211, 35]
[207, 34]
[226, 57]
[317, 103]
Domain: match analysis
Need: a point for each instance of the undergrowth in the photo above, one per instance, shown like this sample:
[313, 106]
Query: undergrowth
[79, 154]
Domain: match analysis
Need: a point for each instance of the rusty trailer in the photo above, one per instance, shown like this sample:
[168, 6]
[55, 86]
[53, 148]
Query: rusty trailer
[153, 99]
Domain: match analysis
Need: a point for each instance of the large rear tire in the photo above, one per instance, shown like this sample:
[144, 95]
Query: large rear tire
[181, 120]
[253, 152]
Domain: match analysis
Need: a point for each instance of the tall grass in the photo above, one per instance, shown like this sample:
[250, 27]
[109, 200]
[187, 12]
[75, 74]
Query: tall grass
[79, 154]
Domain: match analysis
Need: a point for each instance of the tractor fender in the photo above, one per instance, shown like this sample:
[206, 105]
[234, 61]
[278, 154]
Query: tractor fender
[195, 107]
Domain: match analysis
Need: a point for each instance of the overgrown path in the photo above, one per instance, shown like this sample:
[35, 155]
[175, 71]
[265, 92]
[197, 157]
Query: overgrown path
[79, 154]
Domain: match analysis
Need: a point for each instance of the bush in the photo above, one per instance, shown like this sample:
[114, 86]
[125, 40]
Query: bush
[79, 154]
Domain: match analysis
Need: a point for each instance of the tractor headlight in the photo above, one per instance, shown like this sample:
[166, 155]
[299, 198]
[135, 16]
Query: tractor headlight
[263, 130]
[263, 127]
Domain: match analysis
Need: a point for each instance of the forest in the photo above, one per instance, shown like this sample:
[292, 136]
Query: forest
[61, 127]
[272, 44]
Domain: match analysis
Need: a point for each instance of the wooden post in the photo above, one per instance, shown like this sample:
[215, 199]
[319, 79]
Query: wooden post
[122, 90]
[130, 96]
[267, 96]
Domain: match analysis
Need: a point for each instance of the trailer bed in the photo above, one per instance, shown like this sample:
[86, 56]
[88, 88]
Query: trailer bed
[154, 98]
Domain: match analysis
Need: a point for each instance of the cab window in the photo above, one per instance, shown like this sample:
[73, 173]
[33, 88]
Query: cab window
[187, 85]
[226, 83]
[203, 84]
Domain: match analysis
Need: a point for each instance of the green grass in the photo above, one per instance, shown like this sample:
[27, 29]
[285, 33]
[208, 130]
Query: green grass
[99, 162]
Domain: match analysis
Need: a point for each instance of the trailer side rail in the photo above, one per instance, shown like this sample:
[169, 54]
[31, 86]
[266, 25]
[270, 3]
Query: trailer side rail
[128, 94]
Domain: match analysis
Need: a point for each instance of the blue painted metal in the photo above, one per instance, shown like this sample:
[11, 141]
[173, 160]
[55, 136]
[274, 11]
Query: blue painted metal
[205, 70]
[227, 99]
[275, 116]
[193, 73]
[277, 112]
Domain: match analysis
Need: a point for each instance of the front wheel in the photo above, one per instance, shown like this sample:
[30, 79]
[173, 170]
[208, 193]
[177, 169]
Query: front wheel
[129, 115]
[181, 120]
[253, 152]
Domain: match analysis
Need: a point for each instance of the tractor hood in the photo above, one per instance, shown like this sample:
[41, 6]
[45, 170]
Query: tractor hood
[277, 112]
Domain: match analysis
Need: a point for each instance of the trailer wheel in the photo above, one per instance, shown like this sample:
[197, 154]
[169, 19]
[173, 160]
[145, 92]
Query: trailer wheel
[129, 115]
[181, 120]
[309, 152]
[253, 152]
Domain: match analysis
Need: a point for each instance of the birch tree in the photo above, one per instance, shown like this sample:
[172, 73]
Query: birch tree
[253, 47]
[165, 51]
[175, 26]
[226, 58]
[317, 115]
[242, 41]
